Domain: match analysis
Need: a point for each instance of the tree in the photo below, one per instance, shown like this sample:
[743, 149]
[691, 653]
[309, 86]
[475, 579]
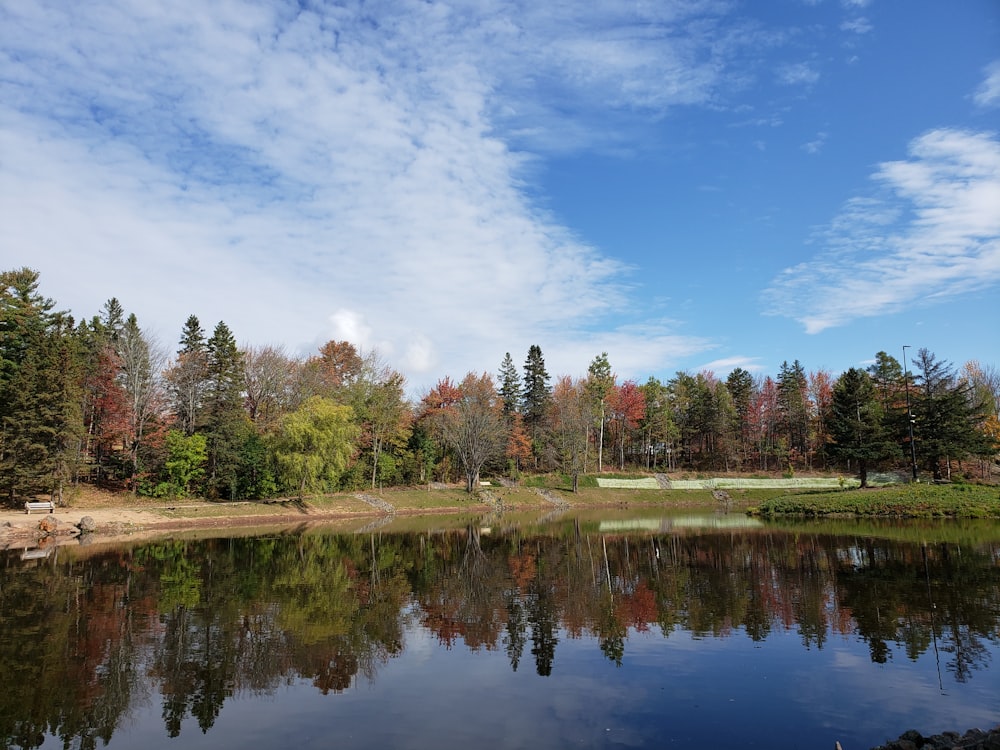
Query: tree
[600, 381]
[946, 415]
[140, 361]
[518, 444]
[510, 387]
[474, 427]
[186, 457]
[793, 407]
[887, 377]
[658, 423]
[626, 408]
[537, 392]
[855, 423]
[40, 420]
[571, 418]
[376, 394]
[187, 379]
[268, 376]
[313, 445]
[741, 387]
[224, 421]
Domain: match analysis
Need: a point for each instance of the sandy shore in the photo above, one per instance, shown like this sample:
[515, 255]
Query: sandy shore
[19, 530]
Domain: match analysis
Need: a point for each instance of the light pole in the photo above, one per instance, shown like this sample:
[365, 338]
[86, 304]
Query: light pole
[909, 414]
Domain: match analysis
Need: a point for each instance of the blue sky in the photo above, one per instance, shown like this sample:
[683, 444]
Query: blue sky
[684, 185]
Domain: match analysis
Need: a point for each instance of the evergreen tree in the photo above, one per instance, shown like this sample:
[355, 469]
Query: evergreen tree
[740, 386]
[537, 392]
[510, 387]
[224, 421]
[793, 407]
[40, 423]
[188, 378]
[945, 415]
[855, 423]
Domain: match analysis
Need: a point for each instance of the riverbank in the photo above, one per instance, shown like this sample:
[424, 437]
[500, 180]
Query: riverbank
[106, 516]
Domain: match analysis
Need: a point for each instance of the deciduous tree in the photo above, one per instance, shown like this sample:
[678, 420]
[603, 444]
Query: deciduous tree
[313, 445]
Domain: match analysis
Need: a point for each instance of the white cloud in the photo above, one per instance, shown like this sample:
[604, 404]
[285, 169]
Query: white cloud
[797, 74]
[988, 93]
[932, 233]
[348, 171]
[722, 367]
[859, 25]
[816, 144]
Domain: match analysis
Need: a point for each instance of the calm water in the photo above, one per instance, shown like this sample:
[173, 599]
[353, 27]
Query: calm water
[614, 633]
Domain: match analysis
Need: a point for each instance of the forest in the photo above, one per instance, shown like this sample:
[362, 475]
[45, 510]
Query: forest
[101, 402]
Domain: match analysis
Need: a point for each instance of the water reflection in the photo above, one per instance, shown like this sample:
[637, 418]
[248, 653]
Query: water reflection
[88, 637]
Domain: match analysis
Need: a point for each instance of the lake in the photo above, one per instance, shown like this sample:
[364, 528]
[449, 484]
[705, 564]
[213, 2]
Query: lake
[592, 631]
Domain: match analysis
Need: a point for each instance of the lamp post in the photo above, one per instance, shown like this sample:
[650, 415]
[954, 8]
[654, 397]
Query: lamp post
[909, 414]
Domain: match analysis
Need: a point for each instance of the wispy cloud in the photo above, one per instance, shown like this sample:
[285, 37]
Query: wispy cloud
[932, 232]
[816, 144]
[988, 93]
[353, 170]
[859, 25]
[797, 74]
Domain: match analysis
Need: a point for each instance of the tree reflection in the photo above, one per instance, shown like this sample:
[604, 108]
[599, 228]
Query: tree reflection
[84, 640]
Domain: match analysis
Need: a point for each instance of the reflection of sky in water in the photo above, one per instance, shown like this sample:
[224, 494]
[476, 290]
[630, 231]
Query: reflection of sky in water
[669, 692]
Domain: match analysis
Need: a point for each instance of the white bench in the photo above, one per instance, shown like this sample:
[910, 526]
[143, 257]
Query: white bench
[46, 505]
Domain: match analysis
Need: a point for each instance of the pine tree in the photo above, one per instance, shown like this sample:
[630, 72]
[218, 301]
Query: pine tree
[856, 425]
[40, 424]
[224, 421]
[537, 392]
[946, 415]
[510, 387]
[188, 377]
[793, 407]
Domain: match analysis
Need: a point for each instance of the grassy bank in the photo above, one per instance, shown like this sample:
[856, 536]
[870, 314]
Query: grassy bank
[904, 501]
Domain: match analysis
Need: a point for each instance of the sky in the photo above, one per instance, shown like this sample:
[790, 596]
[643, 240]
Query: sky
[683, 184]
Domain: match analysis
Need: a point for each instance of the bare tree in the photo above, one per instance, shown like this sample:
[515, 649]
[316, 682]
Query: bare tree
[141, 360]
[474, 426]
[268, 380]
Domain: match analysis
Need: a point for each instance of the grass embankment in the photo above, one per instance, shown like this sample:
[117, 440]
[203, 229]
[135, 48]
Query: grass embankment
[906, 501]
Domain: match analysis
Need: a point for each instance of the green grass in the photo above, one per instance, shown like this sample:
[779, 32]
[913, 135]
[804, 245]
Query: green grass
[911, 501]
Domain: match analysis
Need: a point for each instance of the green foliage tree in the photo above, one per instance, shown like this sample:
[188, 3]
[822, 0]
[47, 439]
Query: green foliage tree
[793, 407]
[855, 423]
[740, 385]
[224, 420]
[658, 424]
[186, 458]
[313, 445]
[40, 421]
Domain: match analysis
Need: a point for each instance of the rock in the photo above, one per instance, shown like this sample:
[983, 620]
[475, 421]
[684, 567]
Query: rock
[48, 525]
[87, 525]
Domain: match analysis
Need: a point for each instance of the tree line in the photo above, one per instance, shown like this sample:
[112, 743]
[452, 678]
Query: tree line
[100, 401]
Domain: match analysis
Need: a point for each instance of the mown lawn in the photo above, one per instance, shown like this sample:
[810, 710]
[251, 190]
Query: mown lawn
[909, 501]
